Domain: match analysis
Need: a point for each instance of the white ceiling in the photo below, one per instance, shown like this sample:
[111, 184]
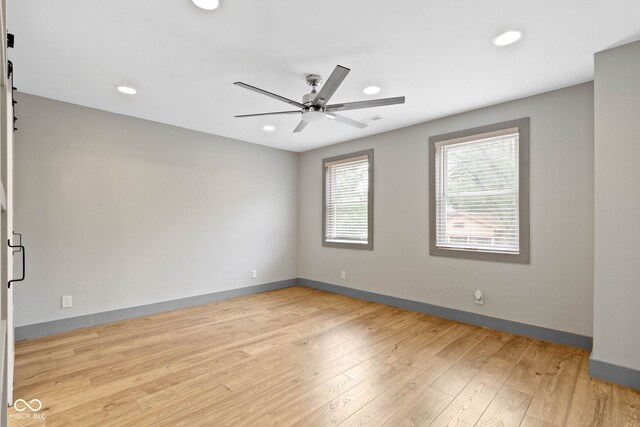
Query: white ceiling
[183, 60]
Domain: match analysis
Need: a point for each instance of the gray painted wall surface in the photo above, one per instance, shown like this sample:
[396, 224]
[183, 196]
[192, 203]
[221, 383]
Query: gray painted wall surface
[554, 291]
[93, 185]
[121, 212]
[617, 207]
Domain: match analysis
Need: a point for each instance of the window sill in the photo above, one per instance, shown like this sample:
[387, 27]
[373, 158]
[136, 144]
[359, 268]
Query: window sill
[519, 258]
[347, 245]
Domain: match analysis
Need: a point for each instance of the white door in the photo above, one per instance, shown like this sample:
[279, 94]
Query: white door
[6, 153]
[6, 226]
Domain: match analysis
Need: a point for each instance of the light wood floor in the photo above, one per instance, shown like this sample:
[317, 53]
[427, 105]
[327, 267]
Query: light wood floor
[304, 357]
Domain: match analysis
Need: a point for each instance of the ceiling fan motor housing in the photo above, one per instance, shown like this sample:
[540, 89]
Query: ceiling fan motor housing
[309, 98]
[312, 113]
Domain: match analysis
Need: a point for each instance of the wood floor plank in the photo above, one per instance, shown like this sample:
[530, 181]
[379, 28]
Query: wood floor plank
[294, 408]
[263, 400]
[552, 399]
[459, 375]
[300, 356]
[421, 409]
[625, 404]
[528, 373]
[506, 409]
[390, 340]
[383, 408]
[533, 422]
[345, 405]
[591, 401]
[469, 405]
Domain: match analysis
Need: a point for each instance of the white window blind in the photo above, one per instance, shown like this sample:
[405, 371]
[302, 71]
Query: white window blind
[347, 200]
[477, 193]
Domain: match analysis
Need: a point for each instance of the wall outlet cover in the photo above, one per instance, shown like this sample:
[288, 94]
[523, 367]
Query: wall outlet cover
[67, 301]
[479, 296]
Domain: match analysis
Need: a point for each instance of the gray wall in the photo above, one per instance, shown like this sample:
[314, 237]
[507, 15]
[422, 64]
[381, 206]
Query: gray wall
[617, 207]
[554, 291]
[120, 212]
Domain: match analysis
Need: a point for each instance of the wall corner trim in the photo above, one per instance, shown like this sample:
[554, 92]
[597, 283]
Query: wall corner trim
[613, 373]
[538, 332]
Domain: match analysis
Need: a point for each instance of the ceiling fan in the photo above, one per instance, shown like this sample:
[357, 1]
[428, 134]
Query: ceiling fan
[314, 108]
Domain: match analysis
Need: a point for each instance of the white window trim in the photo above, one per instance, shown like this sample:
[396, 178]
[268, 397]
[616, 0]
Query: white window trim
[522, 126]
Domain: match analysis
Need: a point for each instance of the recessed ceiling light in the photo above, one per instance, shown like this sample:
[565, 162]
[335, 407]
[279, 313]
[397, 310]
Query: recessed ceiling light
[268, 128]
[127, 90]
[331, 116]
[507, 38]
[371, 90]
[207, 4]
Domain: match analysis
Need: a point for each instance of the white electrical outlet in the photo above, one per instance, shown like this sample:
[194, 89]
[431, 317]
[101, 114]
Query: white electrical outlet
[254, 274]
[343, 275]
[67, 301]
[479, 297]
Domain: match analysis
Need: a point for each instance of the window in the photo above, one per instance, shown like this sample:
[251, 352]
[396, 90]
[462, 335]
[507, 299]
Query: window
[347, 217]
[479, 193]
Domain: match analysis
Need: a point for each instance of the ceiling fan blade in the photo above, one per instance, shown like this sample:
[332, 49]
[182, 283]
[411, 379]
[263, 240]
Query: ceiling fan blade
[270, 114]
[331, 85]
[346, 120]
[301, 125]
[365, 104]
[269, 94]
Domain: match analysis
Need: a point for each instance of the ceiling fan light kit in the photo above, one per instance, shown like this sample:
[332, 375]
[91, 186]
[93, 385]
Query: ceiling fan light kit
[314, 108]
[207, 4]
